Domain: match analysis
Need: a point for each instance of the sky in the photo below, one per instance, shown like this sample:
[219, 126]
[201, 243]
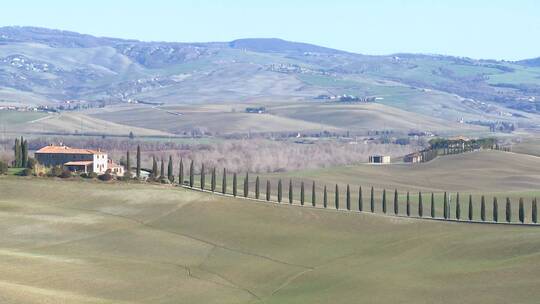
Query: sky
[494, 29]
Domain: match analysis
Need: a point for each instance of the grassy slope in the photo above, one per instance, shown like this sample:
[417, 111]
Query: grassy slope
[69, 123]
[96, 243]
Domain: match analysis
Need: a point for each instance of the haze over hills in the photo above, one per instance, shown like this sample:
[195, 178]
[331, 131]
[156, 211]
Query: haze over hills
[40, 66]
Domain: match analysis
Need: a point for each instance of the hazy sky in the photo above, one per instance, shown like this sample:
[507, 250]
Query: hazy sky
[494, 29]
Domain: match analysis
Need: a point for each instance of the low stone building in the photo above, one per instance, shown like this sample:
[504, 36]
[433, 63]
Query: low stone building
[414, 158]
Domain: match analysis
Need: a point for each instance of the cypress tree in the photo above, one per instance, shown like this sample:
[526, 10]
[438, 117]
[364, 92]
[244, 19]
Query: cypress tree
[521, 211]
[170, 174]
[203, 177]
[337, 197]
[162, 171]
[257, 188]
[24, 152]
[445, 206]
[508, 210]
[432, 205]
[372, 200]
[360, 200]
[191, 174]
[313, 198]
[224, 182]
[458, 207]
[420, 205]
[348, 197]
[181, 172]
[302, 193]
[396, 203]
[384, 201]
[290, 192]
[213, 180]
[17, 153]
[408, 204]
[483, 209]
[246, 185]
[325, 198]
[154, 168]
[534, 212]
[128, 164]
[234, 185]
[279, 191]
[470, 208]
[495, 210]
[267, 190]
[138, 171]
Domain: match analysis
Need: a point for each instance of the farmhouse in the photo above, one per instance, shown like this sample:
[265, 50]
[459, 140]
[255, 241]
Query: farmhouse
[77, 160]
[379, 159]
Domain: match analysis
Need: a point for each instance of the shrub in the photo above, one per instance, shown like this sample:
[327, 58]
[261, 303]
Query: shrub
[55, 171]
[26, 172]
[3, 168]
[65, 174]
[105, 177]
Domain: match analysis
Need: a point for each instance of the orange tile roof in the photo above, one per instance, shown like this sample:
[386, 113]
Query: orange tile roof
[66, 150]
[78, 163]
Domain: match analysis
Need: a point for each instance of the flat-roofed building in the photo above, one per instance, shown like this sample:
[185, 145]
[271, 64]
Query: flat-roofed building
[379, 159]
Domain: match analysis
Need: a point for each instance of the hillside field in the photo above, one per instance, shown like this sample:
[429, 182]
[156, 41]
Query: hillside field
[90, 242]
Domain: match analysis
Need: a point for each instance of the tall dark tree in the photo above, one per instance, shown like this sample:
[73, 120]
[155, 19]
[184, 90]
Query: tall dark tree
[470, 208]
[336, 199]
[181, 172]
[408, 204]
[483, 209]
[154, 174]
[521, 211]
[258, 187]
[162, 171]
[313, 197]
[420, 205]
[325, 197]
[224, 182]
[432, 205]
[213, 180]
[24, 153]
[372, 200]
[534, 211]
[445, 206]
[360, 200]
[128, 165]
[170, 173]
[138, 170]
[191, 174]
[203, 177]
[302, 193]
[290, 192]
[234, 185]
[396, 202]
[268, 190]
[384, 201]
[495, 210]
[508, 210]
[17, 153]
[279, 191]
[348, 197]
[246, 185]
[458, 207]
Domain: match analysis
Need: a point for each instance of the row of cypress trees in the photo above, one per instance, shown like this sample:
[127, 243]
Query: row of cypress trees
[348, 198]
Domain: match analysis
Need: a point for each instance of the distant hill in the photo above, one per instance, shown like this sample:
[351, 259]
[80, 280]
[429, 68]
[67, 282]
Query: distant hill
[535, 62]
[274, 45]
[48, 67]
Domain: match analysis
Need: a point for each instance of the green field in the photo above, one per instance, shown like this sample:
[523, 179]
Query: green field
[87, 242]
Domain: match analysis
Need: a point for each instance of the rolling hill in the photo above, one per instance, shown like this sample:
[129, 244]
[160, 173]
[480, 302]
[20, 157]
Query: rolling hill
[89, 242]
